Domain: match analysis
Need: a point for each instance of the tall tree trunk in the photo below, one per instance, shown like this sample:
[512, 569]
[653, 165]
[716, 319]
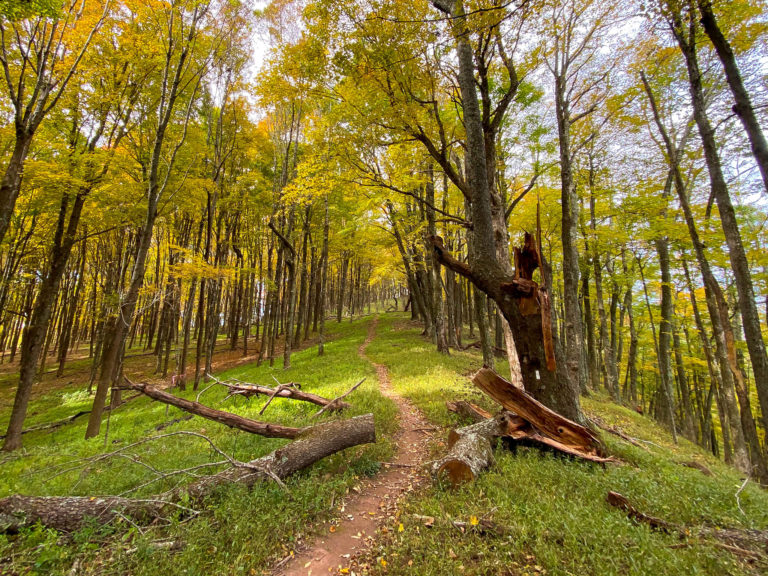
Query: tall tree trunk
[715, 300]
[736, 252]
[569, 231]
[436, 277]
[11, 182]
[609, 361]
[36, 330]
[743, 107]
[323, 279]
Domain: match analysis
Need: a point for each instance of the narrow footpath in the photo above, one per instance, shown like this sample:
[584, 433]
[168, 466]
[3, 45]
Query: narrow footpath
[364, 511]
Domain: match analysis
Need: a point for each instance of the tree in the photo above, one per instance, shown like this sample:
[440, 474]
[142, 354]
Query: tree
[743, 107]
[681, 18]
[109, 112]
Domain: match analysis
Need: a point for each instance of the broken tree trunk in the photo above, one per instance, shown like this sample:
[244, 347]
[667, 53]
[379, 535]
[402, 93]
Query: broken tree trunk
[70, 513]
[523, 420]
[548, 422]
[267, 429]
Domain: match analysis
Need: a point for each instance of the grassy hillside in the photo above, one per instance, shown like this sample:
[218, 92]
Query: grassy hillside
[554, 509]
[551, 513]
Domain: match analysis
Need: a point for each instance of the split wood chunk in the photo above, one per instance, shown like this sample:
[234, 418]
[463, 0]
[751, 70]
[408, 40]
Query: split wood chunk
[70, 513]
[548, 422]
[524, 419]
[470, 451]
[267, 429]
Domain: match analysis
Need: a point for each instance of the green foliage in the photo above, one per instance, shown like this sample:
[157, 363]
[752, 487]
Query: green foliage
[20, 9]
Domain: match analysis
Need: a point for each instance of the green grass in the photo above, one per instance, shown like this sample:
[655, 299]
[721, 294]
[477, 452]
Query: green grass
[240, 530]
[552, 510]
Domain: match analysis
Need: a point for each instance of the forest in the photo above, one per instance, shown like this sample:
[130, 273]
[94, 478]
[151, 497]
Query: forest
[473, 286]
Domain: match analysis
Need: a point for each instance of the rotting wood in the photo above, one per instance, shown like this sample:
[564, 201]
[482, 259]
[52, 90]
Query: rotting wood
[622, 503]
[69, 513]
[748, 543]
[519, 430]
[697, 466]
[267, 429]
[523, 420]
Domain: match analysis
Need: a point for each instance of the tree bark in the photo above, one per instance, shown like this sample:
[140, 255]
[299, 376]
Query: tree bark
[540, 374]
[266, 429]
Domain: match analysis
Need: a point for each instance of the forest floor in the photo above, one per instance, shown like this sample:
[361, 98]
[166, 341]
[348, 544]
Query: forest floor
[548, 513]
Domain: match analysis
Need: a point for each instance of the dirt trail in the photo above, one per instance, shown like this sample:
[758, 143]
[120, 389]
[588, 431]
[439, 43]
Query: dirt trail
[362, 512]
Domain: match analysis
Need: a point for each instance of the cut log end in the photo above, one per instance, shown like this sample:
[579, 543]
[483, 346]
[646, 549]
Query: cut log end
[455, 472]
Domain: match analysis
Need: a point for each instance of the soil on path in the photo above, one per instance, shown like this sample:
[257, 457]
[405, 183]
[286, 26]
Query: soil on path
[365, 510]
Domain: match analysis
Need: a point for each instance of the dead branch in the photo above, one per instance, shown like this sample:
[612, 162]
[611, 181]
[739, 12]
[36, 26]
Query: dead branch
[335, 403]
[622, 503]
[291, 390]
[267, 429]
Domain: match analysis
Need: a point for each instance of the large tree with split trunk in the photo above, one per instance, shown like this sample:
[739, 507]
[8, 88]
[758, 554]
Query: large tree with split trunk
[524, 303]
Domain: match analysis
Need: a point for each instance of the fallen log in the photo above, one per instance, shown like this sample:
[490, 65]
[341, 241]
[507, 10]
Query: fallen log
[697, 466]
[548, 422]
[470, 448]
[70, 513]
[267, 429]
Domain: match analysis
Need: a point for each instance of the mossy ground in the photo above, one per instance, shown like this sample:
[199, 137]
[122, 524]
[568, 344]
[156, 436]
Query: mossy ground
[553, 512]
